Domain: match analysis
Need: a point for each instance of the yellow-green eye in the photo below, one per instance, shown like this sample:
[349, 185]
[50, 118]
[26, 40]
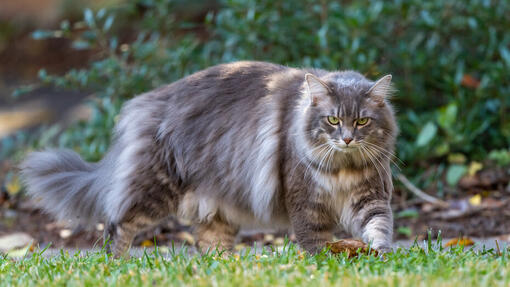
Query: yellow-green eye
[362, 121]
[333, 120]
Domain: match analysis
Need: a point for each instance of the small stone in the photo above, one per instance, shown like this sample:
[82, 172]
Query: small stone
[279, 241]
[15, 241]
[65, 233]
[163, 249]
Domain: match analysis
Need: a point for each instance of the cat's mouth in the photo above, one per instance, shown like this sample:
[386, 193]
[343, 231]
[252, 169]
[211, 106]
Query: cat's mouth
[347, 148]
[342, 147]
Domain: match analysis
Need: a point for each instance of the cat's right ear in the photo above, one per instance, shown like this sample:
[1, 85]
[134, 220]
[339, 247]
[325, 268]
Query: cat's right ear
[315, 88]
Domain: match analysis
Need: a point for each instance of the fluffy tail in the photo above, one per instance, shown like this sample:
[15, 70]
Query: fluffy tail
[66, 186]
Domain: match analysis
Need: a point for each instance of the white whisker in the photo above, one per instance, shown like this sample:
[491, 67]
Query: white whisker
[388, 173]
[373, 162]
[388, 154]
[310, 152]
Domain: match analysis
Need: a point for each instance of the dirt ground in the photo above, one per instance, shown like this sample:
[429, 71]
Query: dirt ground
[479, 223]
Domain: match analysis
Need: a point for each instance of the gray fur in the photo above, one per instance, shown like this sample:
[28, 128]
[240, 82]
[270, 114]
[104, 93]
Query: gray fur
[236, 145]
[66, 186]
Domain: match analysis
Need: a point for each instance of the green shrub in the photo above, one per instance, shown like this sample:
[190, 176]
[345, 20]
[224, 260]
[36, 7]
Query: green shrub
[450, 61]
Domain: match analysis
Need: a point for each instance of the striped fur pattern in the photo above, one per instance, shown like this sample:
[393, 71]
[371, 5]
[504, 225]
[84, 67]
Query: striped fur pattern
[239, 145]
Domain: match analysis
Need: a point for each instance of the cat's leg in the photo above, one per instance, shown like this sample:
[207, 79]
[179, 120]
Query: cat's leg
[155, 207]
[216, 233]
[312, 223]
[123, 233]
[371, 219]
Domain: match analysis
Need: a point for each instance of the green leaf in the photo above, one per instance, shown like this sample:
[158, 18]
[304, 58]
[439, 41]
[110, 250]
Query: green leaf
[113, 43]
[404, 230]
[505, 54]
[447, 116]
[457, 158]
[22, 90]
[42, 74]
[442, 149]
[81, 45]
[101, 13]
[42, 34]
[89, 18]
[108, 23]
[65, 25]
[427, 133]
[408, 213]
[455, 173]
[501, 157]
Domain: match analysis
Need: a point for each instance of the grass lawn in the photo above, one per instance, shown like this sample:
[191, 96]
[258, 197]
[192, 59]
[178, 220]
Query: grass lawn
[287, 267]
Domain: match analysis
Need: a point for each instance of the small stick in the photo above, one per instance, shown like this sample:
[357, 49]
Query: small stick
[411, 187]
[497, 247]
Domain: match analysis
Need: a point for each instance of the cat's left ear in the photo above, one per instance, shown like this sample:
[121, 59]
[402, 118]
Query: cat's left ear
[381, 90]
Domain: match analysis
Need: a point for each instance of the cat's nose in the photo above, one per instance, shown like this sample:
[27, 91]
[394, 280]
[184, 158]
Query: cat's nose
[347, 140]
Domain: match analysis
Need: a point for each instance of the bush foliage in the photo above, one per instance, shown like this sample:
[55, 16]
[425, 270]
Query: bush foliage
[450, 62]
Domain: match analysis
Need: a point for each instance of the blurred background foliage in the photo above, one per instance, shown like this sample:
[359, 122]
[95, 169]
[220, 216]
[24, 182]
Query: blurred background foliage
[450, 61]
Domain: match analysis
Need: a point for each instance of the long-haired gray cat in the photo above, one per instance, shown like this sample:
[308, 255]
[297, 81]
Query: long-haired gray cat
[245, 144]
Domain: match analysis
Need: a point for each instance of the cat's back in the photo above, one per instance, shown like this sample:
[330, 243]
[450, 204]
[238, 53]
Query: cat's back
[224, 83]
[232, 96]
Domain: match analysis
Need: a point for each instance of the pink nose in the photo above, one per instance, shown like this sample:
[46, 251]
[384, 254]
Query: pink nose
[347, 140]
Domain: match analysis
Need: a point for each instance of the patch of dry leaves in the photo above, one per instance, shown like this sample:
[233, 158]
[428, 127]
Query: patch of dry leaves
[352, 247]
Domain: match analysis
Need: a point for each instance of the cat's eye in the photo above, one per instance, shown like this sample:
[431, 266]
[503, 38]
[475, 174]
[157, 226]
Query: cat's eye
[333, 120]
[361, 121]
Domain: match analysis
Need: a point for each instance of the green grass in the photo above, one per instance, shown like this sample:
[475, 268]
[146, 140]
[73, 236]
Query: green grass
[289, 267]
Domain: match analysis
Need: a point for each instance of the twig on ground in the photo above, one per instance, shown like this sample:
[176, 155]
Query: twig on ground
[418, 192]
[497, 248]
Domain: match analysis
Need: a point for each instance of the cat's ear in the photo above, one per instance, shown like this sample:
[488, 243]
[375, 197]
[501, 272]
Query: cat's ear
[315, 88]
[381, 89]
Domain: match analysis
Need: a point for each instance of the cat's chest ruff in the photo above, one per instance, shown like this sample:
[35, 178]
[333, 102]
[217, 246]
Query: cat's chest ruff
[342, 181]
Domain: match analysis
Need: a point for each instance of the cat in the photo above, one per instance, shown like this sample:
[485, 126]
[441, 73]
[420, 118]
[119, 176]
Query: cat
[237, 145]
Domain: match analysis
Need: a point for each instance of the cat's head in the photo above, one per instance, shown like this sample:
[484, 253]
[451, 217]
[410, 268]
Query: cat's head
[349, 114]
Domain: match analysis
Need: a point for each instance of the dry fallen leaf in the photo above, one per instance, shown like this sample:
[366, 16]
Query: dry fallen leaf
[474, 167]
[352, 247]
[475, 200]
[147, 243]
[485, 178]
[470, 81]
[463, 241]
[13, 186]
[240, 247]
